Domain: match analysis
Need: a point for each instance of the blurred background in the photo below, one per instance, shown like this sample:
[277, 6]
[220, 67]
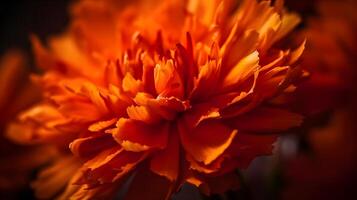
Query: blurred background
[19, 19]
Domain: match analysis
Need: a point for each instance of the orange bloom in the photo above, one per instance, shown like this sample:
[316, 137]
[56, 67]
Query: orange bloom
[163, 93]
[332, 70]
[330, 165]
[16, 93]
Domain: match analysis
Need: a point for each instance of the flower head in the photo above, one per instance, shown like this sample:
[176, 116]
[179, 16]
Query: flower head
[165, 93]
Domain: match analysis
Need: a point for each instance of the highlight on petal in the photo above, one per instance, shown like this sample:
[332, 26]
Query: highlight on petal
[207, 141]
[144, 114]
[131, 85]
[167, 81]
[243, 70]
[98, 126]
[137, 136]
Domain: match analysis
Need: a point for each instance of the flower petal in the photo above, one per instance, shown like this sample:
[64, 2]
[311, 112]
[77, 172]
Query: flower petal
[88, 146]
[167, 81]
[244, 69]
[207, 141]
[267, 119]
[131, 85]
[109, 166]
[131, 133]
[200, 113]
[207, 79]
[143, 113]
[165, 107]
[98, 126]
[166, 162]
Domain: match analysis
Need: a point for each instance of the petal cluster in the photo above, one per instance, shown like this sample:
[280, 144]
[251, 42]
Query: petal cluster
[164, 92]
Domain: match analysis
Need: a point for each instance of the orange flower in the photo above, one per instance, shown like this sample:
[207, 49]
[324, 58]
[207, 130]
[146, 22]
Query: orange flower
[332, 70]
[330, 165]
[327, 166]
[16, 93]
[163, 93]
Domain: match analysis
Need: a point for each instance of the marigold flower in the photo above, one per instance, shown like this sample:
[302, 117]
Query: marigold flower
[16, 93]
[327, 166]
[163, 93]
[333, 29]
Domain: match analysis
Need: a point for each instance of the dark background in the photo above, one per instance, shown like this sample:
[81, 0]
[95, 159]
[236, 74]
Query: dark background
[20, 18]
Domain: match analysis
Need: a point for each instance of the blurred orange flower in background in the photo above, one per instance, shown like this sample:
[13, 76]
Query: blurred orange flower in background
[329, 164]
[329, 56]
[158, 93]
[16, 93]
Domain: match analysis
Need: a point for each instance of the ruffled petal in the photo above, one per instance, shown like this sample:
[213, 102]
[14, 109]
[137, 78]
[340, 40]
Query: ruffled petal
[109, 166]
[207, 141]
[132, 134]
[98, 126]
[244, 69]
[88, 146]
[167, 161]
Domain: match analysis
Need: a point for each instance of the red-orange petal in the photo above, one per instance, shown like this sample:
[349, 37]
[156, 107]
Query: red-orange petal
[207, 141]
[137, 136]
[109, 166]
[88, 146]
[267, 119]
[166, 162]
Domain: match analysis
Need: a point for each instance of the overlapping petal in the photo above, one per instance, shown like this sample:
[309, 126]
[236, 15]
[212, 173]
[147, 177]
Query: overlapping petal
[167, 93]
